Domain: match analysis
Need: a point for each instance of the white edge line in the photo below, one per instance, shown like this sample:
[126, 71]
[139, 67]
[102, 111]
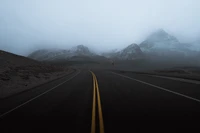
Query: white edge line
[191, 98]
[37, 96]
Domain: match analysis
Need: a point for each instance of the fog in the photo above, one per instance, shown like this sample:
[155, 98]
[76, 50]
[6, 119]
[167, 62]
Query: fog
[27, 25]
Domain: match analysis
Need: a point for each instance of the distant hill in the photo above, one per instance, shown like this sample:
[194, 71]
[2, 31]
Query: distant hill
[76, 55]
[49, 54]
[9, 60]
[60, 54]
[131, 52]
[18, 73]
[110, 54]
[158, 44]
[81, 50]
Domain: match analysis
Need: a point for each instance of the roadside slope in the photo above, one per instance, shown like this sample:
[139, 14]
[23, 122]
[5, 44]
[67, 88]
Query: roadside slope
[18, 73]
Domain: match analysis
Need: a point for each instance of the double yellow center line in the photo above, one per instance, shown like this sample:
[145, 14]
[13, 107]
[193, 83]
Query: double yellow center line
[96, 93]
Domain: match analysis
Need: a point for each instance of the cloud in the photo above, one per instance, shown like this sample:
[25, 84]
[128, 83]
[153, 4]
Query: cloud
[102, 25]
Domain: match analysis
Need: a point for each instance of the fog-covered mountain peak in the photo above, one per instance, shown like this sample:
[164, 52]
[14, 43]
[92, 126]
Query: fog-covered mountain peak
[132, 46]
[81, 50]
[160, 39]
[161, 35]
[132, 51]
[195, 46]
[161, 43]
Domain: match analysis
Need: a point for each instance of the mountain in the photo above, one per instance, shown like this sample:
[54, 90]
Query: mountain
[10, 60]
[160, 43]
[49, 54]
[111, 54]
[81, 50]
[60, 54]
[18, 73]
[195, 46]
[159, 39]
[131, 52]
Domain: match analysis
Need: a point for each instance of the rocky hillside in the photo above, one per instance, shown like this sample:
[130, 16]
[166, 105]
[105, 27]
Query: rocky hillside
[130, 52]
[60, 54]
[18, 73]
[9, 61]
[49, 54]
[81, 50]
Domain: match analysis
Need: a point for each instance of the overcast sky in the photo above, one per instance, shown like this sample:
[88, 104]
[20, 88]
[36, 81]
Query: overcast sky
[26, 25]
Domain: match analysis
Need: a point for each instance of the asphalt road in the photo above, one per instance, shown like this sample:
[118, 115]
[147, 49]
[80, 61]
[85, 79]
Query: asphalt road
[104, 101]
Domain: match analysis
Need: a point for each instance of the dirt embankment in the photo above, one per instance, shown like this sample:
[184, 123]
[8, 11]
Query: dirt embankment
[18, 73]
[21, 78]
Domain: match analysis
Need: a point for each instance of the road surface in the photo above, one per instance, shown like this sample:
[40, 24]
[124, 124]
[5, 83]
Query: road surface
[99, 101]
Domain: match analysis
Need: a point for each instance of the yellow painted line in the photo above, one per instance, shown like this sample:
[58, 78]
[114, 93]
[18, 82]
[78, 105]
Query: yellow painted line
[93, 126]
[96, 90]
[101, 125]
